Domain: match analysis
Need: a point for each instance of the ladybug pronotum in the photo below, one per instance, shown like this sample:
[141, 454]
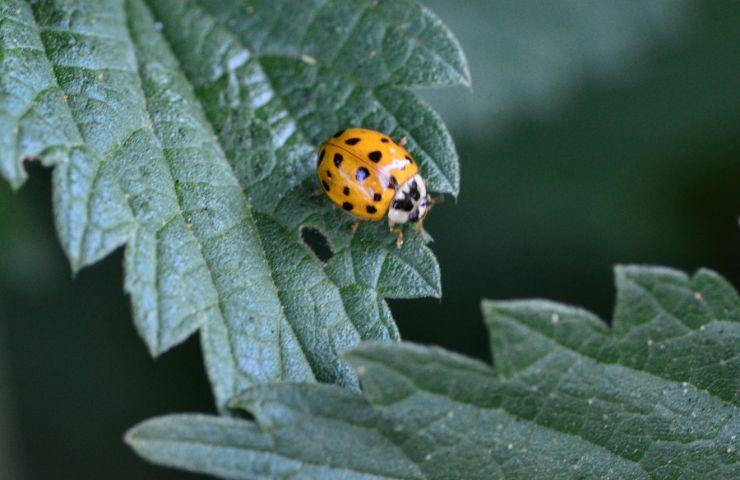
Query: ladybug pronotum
[369, 175]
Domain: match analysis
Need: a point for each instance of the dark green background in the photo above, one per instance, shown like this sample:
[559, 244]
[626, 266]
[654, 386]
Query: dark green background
[602, 133]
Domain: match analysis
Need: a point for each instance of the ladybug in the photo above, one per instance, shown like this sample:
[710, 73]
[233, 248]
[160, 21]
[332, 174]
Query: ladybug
[368, 174]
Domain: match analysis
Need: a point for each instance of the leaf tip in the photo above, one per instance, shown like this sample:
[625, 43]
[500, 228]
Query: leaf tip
[155, 350]
[457, 61]
[370, 351]
[453, 188]
[76, 264]
[493, 310]
[466, 79]
[148, 335]
[487, 308]
[16, 183]
[129, 436]
[132, 438]
[708, 273]
[436, 290]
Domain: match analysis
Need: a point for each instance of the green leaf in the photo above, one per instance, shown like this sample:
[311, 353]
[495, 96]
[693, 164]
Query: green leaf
[654, 397]
[177, 134]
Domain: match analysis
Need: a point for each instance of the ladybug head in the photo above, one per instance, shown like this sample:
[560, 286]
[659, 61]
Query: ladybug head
[410, 203]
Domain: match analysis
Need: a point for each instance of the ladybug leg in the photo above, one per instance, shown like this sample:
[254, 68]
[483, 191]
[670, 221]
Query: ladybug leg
[356, 225]
[440, 199]
[397, 231]
[399, 236]
[404, 140]
[317, 193]
[430, 203]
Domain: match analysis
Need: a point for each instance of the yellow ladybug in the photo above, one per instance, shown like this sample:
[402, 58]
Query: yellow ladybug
[368, 174]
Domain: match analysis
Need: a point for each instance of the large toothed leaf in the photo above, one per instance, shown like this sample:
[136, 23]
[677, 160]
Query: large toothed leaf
[174, 133]
[653, 397]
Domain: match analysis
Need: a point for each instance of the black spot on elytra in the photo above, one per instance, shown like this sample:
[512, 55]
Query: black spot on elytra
[352, 141]
[338, 134]
[348, 206]
[328, 173]
[371, 209]
[409, 159]
[375, 156]
[321, 157]
[403, 204]
[346, 190]
[384, 140]
[377, 197]
[362, 173]
[338, 158]
[325, 185]
[392, 183]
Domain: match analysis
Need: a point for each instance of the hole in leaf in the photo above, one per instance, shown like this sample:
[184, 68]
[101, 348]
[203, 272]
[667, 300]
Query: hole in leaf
[317, 242]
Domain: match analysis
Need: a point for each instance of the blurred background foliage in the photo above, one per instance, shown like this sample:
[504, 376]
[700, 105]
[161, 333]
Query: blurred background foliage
[595, 133]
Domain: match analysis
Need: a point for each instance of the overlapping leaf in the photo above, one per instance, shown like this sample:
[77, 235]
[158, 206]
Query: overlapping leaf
[654, 397]
[177, 133]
